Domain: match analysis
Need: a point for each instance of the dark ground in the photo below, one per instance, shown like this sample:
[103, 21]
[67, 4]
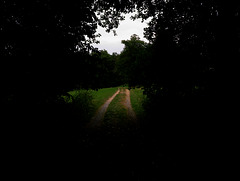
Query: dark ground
[36, 147]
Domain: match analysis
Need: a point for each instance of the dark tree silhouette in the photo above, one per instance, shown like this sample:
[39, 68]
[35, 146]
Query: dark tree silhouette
[189, 76]
[45, 44]
[132, 62]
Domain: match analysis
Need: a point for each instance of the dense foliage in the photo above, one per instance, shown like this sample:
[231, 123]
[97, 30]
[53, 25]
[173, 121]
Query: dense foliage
[190, 38]
[187, 70]
[132, 61]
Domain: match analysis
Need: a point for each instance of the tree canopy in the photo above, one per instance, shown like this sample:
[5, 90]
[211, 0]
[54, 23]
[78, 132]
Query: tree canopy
[187, 41]
[132, 60]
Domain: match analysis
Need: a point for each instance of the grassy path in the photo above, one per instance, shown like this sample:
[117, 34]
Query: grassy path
[87, 102]
[99, 115]
[122, 110]
[125, 110]
[102, 95]
[128, 105]
[116, 114]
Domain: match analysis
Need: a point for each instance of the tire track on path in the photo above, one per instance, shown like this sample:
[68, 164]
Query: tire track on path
[128, 105]
[99, 116]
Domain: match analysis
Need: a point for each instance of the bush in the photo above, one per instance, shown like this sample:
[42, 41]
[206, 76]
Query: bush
[82, 103]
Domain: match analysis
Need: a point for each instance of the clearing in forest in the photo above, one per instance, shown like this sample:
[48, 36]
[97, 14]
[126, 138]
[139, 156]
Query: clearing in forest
[117, 110]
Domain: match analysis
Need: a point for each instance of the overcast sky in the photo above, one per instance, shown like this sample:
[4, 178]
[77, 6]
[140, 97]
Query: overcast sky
[126, 28]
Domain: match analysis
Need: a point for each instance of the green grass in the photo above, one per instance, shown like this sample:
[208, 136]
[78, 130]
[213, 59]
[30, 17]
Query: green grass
[137, 100]
[88, 101]
[116, 114]
[102, 95]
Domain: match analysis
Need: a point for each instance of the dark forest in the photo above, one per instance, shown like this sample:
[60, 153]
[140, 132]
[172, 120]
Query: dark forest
[187, 71]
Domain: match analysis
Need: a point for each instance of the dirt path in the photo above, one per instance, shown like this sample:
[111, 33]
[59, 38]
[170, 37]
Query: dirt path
[128, 106]
[98, 118]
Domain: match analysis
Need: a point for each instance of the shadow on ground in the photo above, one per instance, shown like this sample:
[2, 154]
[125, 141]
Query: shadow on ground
[43, 148]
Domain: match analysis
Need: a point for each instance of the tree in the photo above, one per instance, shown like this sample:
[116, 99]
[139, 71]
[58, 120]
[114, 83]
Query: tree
[44, 28]
[192, 82]
[53, 40]
[132, 60]
[106, 72]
